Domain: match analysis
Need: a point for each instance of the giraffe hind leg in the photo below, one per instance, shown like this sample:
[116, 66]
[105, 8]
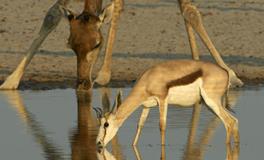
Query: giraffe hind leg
[193, 17]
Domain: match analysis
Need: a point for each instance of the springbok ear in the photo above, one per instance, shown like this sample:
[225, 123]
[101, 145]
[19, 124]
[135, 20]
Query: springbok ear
[106, 15]
[106, 103]
[68, 13]
[118, 102]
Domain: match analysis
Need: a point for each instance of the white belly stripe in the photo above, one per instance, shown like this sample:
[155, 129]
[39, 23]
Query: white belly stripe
[186, 95]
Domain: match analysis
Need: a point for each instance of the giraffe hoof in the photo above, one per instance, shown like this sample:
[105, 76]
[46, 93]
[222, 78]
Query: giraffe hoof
[103, 78]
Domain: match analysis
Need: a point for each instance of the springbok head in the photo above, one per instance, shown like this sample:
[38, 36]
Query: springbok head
[86, 39]
[108, 123]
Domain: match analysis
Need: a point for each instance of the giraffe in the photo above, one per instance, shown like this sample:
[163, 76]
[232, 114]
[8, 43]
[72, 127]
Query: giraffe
[50, 22]
[86, 38]
[193, 23]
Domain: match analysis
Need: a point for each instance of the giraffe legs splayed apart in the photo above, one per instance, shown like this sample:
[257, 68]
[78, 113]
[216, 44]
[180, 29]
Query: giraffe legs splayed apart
[193, 23]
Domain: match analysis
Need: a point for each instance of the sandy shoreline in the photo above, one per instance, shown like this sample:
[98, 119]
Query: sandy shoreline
[150, 32]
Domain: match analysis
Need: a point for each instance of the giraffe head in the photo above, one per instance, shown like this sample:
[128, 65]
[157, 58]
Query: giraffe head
[108, 124]
[86, 40]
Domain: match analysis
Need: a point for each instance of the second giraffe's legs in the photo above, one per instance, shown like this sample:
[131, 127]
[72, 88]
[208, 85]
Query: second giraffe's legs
[104, 74]
[193, 19]
[50, 22]
[192, 41]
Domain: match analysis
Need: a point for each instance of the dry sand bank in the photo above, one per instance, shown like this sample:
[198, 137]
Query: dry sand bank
[150, 32]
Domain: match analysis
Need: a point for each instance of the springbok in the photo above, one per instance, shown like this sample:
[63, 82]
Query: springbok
[193, 22]
[181, 82]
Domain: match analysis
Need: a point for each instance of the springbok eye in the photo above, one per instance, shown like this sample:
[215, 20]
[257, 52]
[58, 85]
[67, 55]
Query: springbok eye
[106, 124]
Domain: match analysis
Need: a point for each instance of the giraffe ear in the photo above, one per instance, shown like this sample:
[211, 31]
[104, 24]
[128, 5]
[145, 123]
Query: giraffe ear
[68, 13]
[118, 102]
[106, 15]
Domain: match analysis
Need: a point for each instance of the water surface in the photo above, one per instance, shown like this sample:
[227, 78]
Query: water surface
[61, 124]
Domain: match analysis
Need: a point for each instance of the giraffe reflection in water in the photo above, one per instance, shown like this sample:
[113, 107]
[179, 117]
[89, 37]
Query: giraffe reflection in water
[82, 138]
[49, 148]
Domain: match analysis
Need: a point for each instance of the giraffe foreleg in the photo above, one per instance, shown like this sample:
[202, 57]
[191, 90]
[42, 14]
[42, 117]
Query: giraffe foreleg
[104, 74]
[50, 22]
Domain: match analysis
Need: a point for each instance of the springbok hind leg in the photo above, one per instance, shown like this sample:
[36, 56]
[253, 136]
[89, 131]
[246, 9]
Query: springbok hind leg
[143, 117]
[232, 127]
[230, 122]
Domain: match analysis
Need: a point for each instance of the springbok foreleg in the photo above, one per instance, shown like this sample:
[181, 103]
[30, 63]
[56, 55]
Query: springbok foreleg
[137, 153]
[163, 108]
[104, 74]
[193, 17]
[50, 22]
[143, 117]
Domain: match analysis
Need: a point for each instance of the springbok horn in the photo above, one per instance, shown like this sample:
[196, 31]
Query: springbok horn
[106, 103]
[118, 101]
[98, 112]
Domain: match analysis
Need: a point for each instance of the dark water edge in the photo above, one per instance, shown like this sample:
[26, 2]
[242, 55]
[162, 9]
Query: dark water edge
[71, 84]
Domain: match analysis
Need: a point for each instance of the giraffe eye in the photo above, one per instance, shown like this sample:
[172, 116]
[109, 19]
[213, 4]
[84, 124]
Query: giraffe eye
[106, 124]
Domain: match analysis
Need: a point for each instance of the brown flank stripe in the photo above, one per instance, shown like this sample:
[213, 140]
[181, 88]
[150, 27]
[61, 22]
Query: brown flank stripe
[188, 79]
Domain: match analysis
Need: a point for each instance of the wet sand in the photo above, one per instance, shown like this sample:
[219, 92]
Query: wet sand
[150, 32]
